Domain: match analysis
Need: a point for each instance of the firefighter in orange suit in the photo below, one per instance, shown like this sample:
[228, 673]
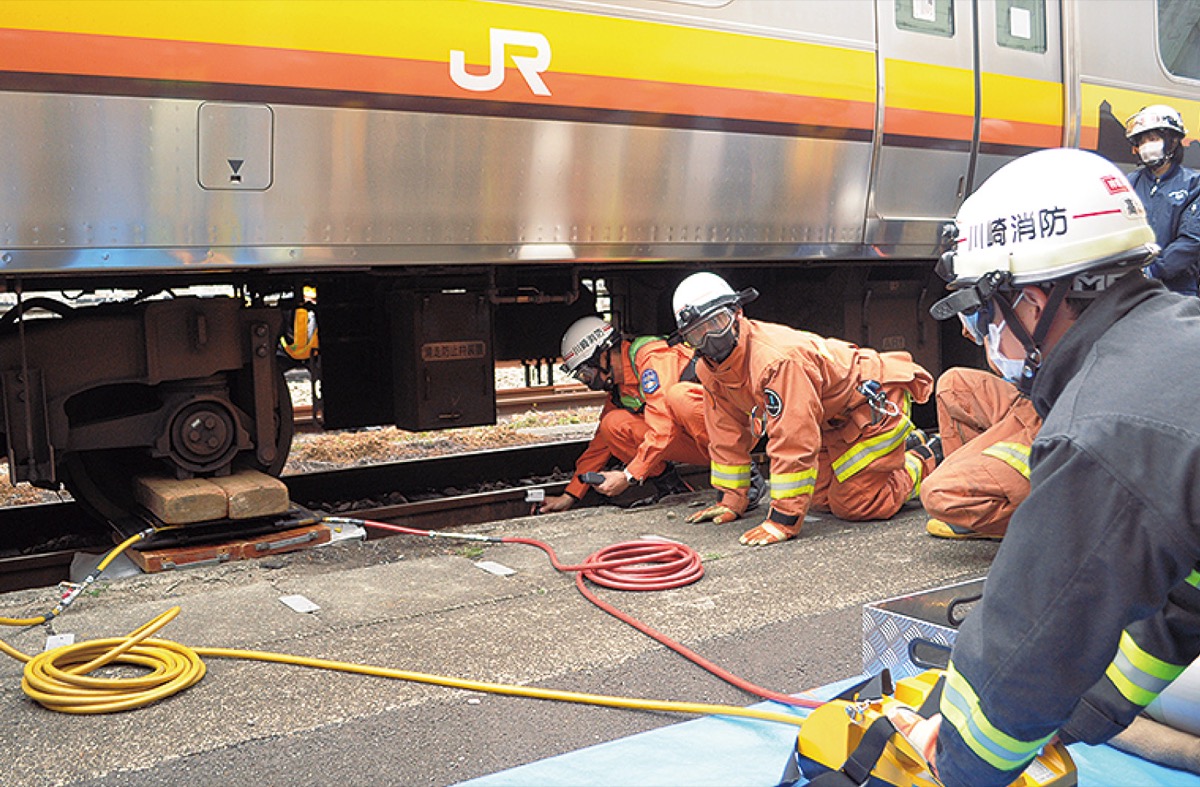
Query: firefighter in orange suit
[986, 427]
[654, 415]
[835, 415]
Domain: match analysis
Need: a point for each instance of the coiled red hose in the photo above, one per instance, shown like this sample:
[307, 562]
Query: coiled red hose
[630, 565]
[633, 565]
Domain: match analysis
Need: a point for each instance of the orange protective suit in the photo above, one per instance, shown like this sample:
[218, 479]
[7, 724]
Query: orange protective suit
[800, 389]
[654, 419]
[986, 427]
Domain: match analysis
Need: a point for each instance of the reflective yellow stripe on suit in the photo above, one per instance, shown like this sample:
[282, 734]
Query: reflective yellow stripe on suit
[1015, 455]
[1139, 676]
[729, 476]
[793, 484]
[867, 451]
[960, 706]
[915, 467]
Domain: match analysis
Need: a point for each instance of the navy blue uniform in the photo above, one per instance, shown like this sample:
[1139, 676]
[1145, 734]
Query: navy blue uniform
[1091, 606]
[1173, 210]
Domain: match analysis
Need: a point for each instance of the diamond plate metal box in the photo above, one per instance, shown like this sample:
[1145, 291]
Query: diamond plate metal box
[909, 634]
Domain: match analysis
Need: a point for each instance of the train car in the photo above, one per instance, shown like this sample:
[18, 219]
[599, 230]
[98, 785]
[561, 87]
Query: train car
[456, 180]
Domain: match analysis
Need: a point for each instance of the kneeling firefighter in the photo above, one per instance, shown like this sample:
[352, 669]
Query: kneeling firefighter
[654, 416]
[836, 416]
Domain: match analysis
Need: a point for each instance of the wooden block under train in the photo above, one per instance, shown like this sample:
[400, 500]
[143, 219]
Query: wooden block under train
[181, 501]
[253, 494]
[246, 494]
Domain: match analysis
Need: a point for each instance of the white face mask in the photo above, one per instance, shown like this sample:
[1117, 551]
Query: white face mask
[1151, 152]
[1009, 368]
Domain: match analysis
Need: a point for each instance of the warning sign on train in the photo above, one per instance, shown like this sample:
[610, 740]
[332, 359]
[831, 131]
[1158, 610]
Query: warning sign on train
[453, 351]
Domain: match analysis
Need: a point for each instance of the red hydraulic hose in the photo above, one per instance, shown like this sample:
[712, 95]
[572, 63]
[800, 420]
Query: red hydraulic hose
[630, 565]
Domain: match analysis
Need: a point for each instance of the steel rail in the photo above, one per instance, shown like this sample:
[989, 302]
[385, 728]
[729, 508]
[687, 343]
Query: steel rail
[509, 402]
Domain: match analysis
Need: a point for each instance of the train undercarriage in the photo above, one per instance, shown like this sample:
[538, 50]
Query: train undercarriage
[164, 382]
[96, 395]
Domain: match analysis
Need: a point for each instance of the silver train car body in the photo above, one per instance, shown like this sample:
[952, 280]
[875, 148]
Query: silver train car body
[454, 177]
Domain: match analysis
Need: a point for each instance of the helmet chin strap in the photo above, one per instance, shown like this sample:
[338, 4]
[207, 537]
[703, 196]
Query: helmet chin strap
[1033, 344]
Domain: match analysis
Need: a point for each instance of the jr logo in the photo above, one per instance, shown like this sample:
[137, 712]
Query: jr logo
[530, 67]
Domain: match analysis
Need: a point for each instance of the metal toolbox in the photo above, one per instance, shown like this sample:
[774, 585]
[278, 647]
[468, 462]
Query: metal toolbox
[909, 634]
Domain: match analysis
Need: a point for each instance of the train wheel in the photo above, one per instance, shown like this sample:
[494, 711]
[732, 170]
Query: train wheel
[101, 481]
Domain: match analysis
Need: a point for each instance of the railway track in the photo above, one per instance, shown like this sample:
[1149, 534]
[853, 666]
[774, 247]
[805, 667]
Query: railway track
[509, 402]
[40, 541]
[431, 493]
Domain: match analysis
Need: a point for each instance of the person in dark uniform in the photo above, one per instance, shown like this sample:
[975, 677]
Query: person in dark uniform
[1092, 605]
[1171, 194]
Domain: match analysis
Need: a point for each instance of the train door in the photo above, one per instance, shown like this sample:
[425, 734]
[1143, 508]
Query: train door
[926, 115]
[1021, 82]
[965, 86]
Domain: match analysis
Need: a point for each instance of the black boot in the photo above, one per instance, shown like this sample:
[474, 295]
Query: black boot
[930, 449]
[669, 482]
[758, 487]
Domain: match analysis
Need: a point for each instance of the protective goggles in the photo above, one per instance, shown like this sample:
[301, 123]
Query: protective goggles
[976, 323]
[713, 324]
[981, 322]
[586, 373]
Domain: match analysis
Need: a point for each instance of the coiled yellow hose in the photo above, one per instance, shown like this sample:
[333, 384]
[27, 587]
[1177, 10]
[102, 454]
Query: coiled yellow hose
[60, 679]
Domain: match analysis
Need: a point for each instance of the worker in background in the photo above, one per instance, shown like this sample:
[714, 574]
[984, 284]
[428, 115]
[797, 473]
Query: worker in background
[300, 340]
[1171, 194]
[655, 414]
[1092, 603]
[985, 428]
[300, 346]
[836, 416]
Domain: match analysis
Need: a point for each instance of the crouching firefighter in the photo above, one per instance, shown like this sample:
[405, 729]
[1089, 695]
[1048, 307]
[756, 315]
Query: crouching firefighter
[654, 416]
[1092, 605]
[836, 416]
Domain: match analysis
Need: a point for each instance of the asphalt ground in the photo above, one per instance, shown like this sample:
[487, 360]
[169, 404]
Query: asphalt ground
[787, 617]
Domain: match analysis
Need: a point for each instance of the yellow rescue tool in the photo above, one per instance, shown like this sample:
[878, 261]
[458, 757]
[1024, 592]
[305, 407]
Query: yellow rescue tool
[840, 742]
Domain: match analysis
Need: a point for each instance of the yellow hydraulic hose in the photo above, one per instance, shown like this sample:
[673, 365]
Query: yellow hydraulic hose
[59, 679]
[70, 597]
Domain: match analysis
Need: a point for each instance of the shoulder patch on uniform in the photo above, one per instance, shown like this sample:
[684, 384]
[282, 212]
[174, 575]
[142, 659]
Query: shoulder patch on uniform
[774, 402]
[649, 381]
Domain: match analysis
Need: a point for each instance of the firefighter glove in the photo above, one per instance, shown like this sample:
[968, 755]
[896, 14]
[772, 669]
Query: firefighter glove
[719, 514]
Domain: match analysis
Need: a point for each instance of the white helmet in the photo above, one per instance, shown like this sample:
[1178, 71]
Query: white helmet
[1064, 217]
[705, 309]
[699, 295]
[1048, 215]
[586, 337]
[1158, 117]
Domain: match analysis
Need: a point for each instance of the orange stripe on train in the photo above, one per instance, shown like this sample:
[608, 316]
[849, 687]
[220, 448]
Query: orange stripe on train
[111, 56]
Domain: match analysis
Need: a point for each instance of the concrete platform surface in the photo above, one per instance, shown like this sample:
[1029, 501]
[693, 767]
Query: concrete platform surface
[787, 617]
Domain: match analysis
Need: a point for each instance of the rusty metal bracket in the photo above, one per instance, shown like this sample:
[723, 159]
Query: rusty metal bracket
[262, 363]
[30, 452]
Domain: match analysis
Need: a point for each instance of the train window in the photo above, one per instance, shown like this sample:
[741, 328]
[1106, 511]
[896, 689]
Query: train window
[1021, 24]
[926, 16]
[1179, 36]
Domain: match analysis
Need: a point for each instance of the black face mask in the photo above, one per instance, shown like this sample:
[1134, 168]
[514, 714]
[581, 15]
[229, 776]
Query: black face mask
[717, 347]
[597, 377]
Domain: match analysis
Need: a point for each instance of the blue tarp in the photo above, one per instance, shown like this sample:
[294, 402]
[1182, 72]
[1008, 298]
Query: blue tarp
[725, 752]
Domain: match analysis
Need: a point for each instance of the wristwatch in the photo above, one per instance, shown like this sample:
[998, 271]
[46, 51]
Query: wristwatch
[629, 476]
